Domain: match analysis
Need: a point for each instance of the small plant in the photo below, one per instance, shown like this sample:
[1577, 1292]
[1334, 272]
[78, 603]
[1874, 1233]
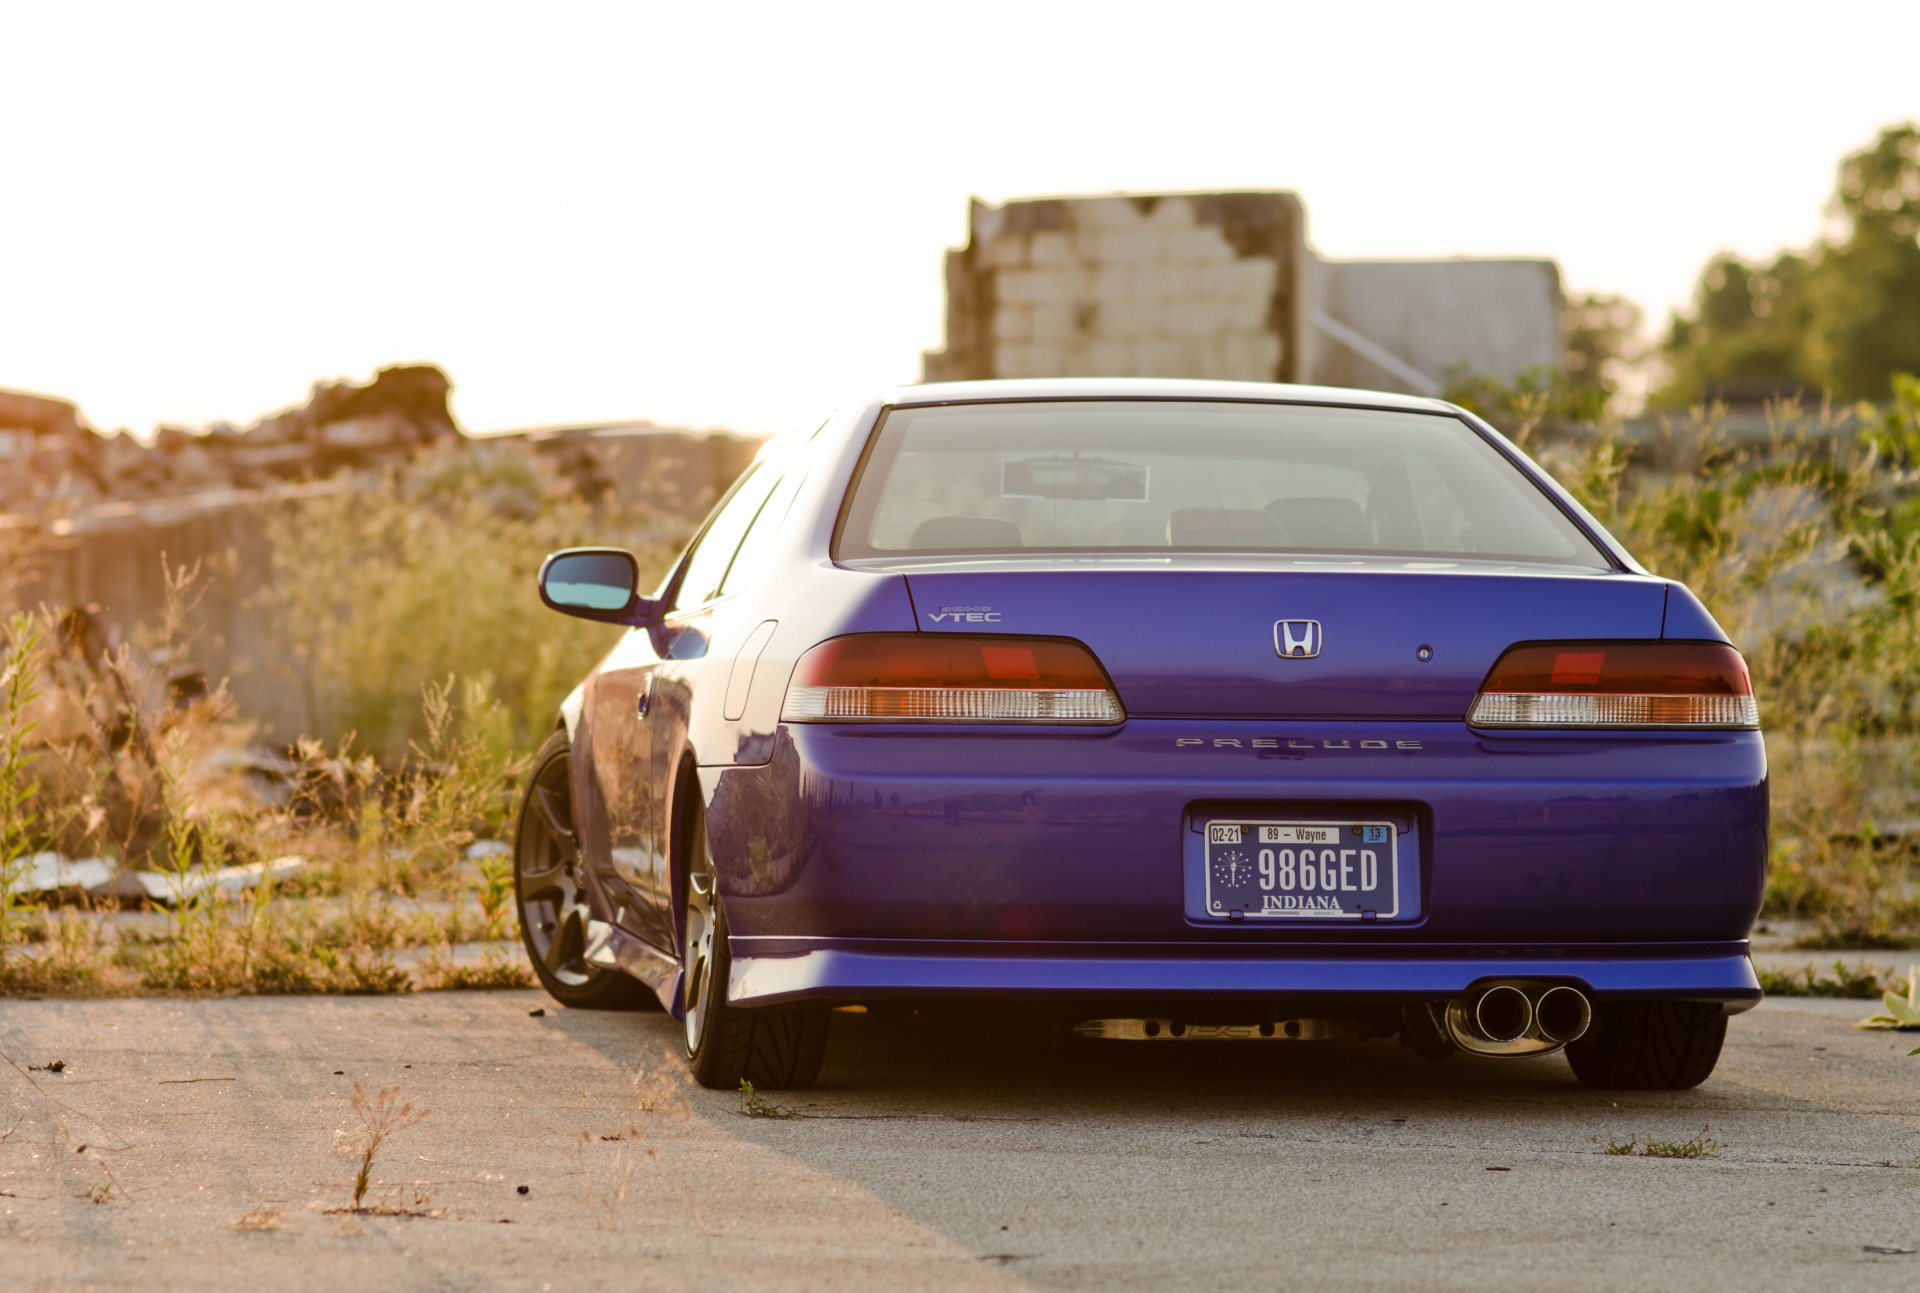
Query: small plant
[503, 965]
[755, 1105]
[610, 1200]
[362, 972]
[1697, 1146]
[494, 890]
[615, 1197]
[1902, 1012]
[20, 660]
[382, 1117]
[1694, 1147]
[1860, 982]
[101, 1193]
[499, 968]
[261, 1219]
[458, 775]
[660, 1091]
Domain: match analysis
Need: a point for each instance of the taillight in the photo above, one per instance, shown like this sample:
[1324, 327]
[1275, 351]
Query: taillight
[1617, 684]
[912, 677]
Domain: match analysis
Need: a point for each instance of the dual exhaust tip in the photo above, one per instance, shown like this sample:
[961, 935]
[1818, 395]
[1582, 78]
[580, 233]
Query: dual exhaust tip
[1519, 1018]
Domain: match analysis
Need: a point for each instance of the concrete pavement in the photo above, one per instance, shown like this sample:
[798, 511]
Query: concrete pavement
[928, 1159]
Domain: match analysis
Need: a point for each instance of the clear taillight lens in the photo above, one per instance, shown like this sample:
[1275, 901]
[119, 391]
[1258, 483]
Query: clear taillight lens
[911, 677]
[1618, 684]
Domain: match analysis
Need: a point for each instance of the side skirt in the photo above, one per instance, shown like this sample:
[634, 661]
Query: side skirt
[613, 948]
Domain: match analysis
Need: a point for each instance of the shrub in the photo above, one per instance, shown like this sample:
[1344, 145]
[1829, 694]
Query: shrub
[377, 593]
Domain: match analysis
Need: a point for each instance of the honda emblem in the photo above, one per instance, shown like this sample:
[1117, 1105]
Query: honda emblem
[1296, 639]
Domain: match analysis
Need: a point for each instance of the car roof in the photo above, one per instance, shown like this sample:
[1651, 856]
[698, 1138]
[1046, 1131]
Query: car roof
[1163, 388]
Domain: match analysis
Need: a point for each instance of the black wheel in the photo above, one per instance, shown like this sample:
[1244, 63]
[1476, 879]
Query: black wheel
[774, 1047]
[549, 887]
[1650, 1046]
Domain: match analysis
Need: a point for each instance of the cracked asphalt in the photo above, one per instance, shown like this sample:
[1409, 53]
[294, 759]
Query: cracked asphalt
[194, 1145]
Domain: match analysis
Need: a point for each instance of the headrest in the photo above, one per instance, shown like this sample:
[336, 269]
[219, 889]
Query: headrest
[1323, 522]
[1223, 527]
[965, 532]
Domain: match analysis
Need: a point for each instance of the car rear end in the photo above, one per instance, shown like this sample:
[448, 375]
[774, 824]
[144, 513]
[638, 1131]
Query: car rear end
[1239, 714]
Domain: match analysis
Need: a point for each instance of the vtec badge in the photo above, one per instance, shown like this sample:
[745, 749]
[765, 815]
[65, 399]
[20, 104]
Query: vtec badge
[965, 615]
[1296, 639]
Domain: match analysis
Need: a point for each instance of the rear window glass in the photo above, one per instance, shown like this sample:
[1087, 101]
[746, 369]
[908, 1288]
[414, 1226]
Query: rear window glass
[1172, 476]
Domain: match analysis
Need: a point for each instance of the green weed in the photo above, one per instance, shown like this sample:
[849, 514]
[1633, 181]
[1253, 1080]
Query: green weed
[499, 967]
[20, 664]
[377, 593]
[1698, 1146]
[755, 1105]
[1860, 982]
[1902, 1009]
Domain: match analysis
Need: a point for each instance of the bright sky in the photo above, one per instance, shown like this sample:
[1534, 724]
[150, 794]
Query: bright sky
[727, 214]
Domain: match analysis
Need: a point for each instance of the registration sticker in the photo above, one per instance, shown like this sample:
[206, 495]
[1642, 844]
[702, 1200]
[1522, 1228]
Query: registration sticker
[1294, 870]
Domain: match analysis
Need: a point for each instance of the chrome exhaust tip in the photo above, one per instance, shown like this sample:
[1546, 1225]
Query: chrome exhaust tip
[1503, 1013]
[1563, 1014]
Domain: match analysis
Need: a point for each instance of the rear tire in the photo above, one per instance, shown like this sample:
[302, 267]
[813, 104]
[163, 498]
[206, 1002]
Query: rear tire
[1650, 1046]
[550, 895]
[774, 1047]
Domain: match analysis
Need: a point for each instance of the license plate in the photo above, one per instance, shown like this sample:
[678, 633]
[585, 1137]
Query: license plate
[1294, 870]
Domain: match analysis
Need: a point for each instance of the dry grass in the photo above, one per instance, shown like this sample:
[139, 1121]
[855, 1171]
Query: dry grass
[261, 1220]
[663, 1089]
[379, 594]
[381, 1117]
[95, 760]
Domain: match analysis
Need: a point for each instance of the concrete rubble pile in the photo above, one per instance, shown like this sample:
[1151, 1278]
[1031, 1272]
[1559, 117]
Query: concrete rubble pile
[96, 882]
[51, 461]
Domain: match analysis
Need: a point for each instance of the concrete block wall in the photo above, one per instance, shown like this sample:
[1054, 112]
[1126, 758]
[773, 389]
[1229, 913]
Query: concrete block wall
[1223, 285]
[1180, 285]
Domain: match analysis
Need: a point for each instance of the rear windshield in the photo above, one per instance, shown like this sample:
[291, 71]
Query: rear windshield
[1176, 476]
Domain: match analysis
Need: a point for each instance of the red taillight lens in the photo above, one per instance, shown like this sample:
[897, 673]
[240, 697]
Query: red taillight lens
[1618, 684]
[911, 677]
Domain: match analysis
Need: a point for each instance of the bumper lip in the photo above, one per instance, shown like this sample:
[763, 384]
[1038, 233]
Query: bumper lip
[1719, 972]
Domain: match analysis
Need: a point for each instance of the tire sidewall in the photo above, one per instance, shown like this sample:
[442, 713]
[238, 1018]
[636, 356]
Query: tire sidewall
[722, 1018]
[604, 987]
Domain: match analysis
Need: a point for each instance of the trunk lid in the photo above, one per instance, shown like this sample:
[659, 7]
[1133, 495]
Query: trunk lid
[1201, 641]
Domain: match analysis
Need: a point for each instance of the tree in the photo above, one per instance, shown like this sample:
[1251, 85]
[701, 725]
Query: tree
[1865, 304]
[1841, 318]
[1602, 341]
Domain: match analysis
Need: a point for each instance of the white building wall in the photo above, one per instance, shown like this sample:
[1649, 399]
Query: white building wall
[1500, 318]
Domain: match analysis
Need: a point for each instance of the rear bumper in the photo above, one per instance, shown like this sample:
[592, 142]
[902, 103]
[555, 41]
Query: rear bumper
[1064, 836]
[1718, 972]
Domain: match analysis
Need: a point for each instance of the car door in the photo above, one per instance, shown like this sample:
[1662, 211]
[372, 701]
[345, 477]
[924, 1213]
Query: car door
[696, 637]
[628, 860]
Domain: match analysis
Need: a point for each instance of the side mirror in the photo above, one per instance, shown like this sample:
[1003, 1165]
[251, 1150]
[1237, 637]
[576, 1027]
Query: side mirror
[595, 584]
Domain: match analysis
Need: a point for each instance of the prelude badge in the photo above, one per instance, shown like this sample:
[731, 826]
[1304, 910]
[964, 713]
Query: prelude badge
[1296, 639]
